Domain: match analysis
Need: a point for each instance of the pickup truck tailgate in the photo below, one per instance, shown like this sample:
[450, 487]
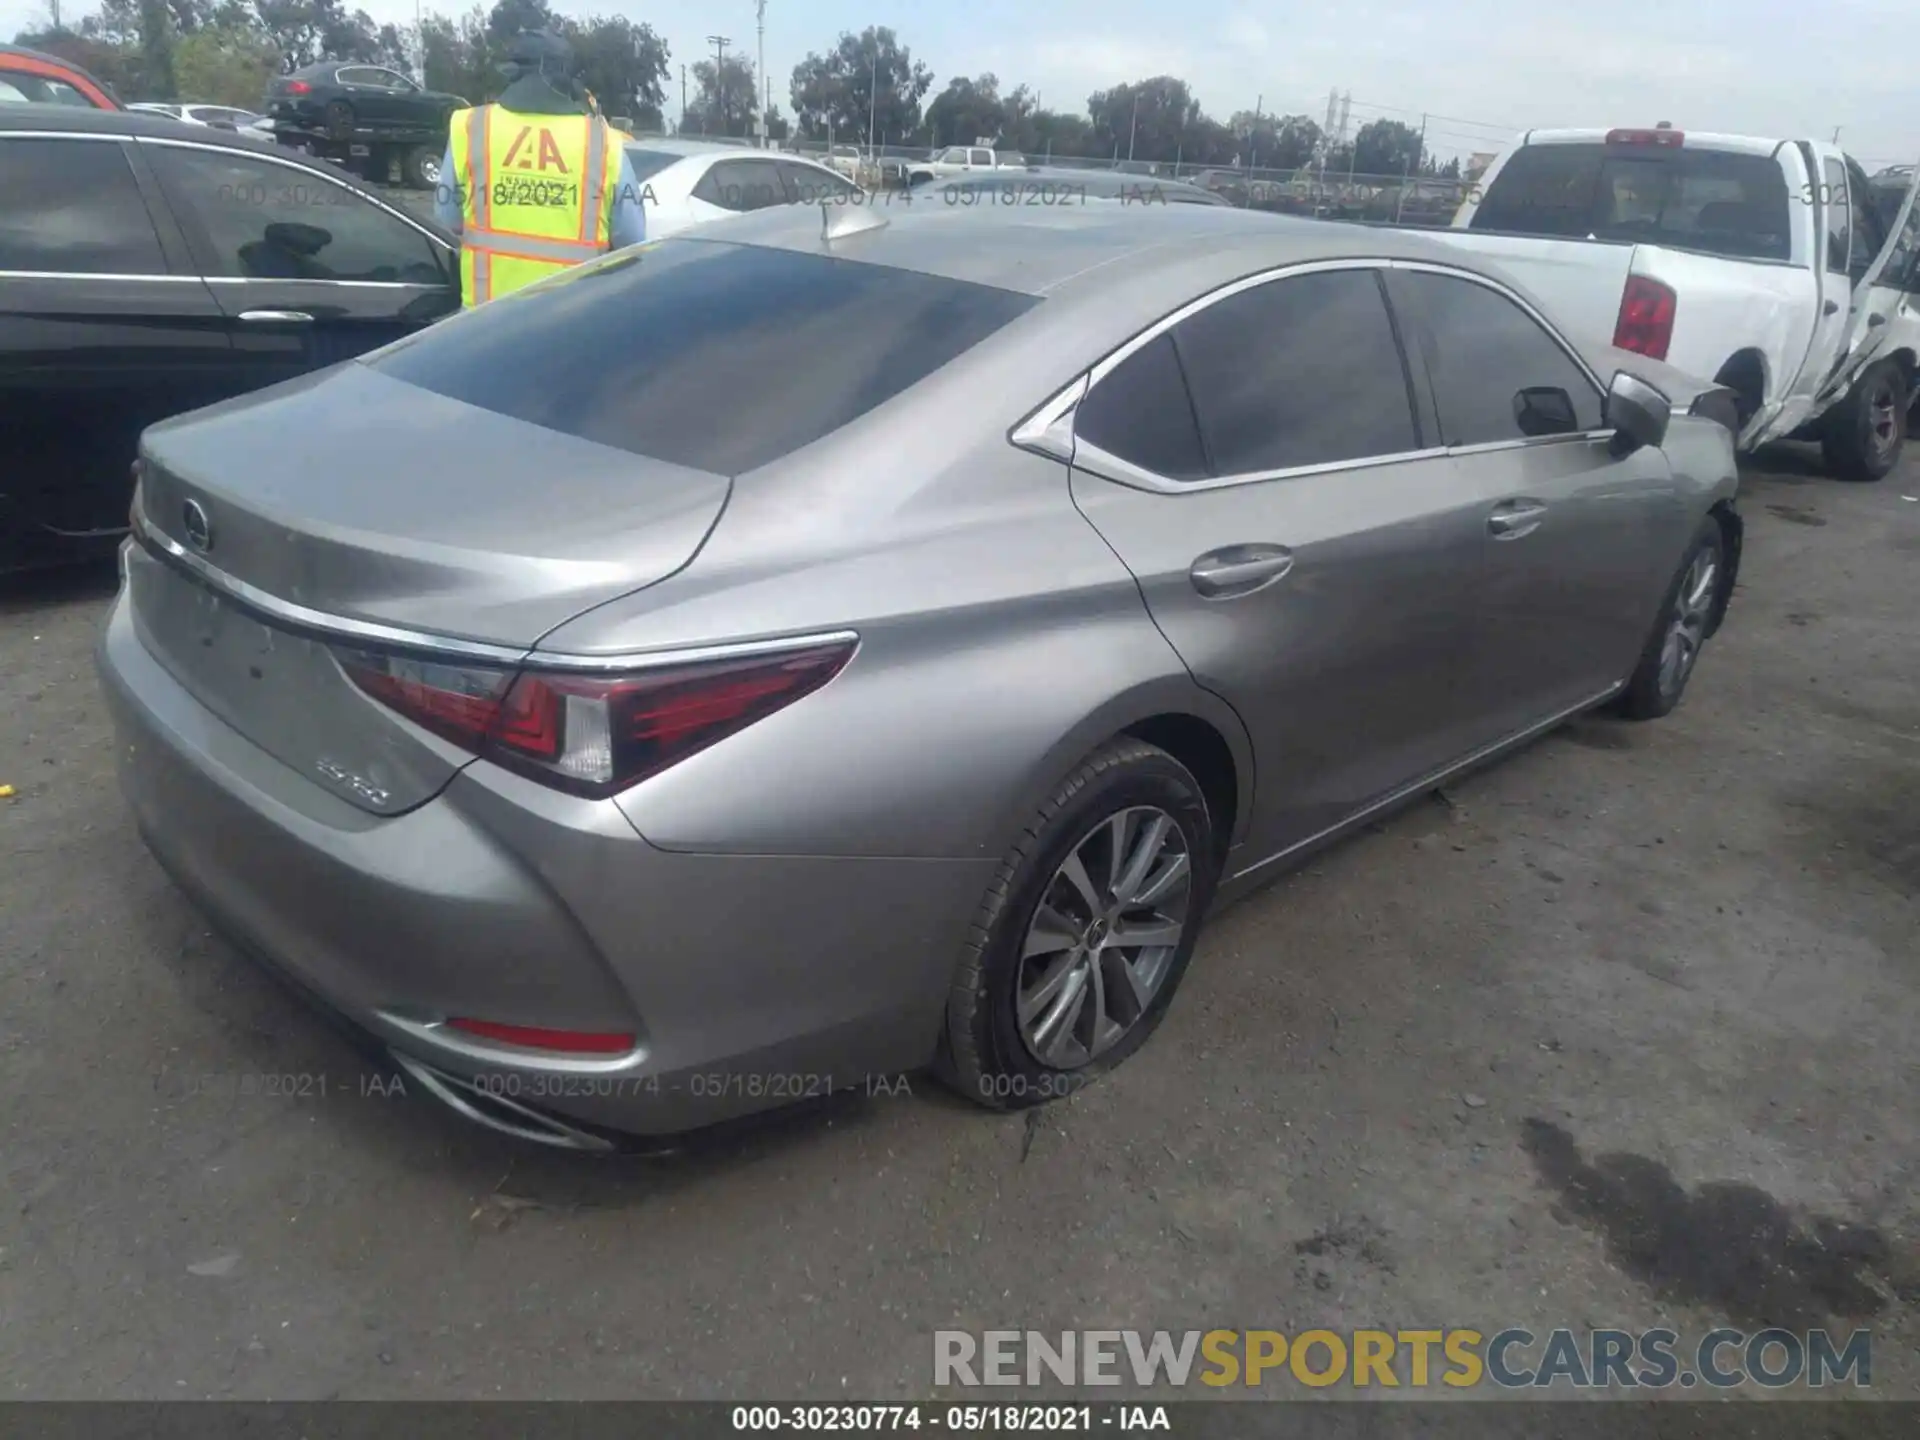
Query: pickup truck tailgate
[1578, 281]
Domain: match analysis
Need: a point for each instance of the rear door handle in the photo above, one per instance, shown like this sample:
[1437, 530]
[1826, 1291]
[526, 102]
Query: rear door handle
[282, 317]
[1513, 518]
[1239, 569]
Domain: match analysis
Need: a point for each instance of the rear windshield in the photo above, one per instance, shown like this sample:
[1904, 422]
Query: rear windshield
[648, 163]
[716, 356]
[1711, 200]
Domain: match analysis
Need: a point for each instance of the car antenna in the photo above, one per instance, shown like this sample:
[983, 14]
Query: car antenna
[852, 220]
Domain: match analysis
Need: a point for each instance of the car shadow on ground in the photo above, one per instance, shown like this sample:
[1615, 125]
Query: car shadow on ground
[25, 592]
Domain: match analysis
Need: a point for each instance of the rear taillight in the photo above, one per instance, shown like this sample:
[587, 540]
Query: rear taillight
[1645, 325]
[589, 734]
[298, 87]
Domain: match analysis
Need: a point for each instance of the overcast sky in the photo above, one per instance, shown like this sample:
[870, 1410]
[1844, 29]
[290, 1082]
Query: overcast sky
[1755, 66]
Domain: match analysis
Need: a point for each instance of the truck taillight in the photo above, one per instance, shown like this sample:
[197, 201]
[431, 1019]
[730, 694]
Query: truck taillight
[1645, 324]
[588, 734]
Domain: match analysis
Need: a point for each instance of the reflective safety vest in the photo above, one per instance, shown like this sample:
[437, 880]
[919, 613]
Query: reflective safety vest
[536, 195]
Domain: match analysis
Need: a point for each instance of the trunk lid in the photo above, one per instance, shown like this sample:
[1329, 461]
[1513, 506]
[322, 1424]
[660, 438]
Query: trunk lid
[361, 498]
[371, 499]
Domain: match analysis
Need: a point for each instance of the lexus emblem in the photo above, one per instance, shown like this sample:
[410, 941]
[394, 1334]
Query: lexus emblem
[193, 517]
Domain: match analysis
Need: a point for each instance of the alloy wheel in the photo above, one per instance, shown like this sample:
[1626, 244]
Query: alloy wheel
[1883, 419]
[1687, 630]
[1103, 938]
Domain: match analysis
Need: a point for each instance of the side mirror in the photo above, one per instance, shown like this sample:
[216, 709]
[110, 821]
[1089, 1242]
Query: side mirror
[1637, 412]
[1544, 410]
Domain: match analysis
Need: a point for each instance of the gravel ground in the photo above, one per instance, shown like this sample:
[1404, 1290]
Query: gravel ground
[1619, 1033]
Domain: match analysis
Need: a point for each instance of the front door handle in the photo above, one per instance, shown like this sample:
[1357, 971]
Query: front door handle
[1239, 569]
[282, 317]
[1513, 518]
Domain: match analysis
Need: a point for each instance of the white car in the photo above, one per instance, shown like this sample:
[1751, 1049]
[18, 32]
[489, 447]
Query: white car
[684, 183]
[201, 114]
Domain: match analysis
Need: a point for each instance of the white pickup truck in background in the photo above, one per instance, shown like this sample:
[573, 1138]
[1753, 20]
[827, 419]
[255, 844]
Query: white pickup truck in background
[963, 160]
[1770, 266]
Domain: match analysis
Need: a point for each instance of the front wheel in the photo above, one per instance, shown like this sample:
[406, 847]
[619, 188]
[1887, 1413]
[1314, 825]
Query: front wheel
[1085, 933]
[1860, 438]
[1686, 619]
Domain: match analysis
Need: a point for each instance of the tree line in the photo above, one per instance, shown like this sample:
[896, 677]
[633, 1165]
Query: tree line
[867, 86]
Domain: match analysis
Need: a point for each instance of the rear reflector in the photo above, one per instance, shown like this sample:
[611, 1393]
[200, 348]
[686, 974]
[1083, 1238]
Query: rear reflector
[535, 1037]
[591, 735]
[1645, 324]
[1664, 138]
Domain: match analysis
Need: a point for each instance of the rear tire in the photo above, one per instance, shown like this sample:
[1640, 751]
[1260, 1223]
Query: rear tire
[1687, 618]
[1861, 437]
[1048, 995]
[420, 167]
[339, 120]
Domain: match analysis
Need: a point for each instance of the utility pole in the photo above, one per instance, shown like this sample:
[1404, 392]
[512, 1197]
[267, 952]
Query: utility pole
[1253, 136]
[719, 44]
[1133, 126]
[683, 98]
[873, 96]
[1412, 160]
[760, 23]
[1836, 134]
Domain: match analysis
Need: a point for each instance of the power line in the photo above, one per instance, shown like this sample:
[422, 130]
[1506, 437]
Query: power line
[1452, 119]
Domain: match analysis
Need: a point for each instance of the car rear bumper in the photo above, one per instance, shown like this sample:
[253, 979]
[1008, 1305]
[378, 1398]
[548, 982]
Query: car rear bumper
[748, 981]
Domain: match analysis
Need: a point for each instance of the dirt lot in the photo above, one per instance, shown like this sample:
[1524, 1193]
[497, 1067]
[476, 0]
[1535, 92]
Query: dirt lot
[1621, 1033]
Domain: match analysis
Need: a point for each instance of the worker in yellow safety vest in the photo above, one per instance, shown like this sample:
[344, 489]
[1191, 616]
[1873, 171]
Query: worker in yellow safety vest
[537, 181]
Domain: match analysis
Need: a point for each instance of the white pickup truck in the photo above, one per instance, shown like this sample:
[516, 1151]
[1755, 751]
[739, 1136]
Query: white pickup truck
[963, 160]
[1771, 266]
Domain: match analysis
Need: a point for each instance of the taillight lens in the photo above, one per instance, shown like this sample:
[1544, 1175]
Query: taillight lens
[591, 735]
[1645, 324]
[299, 87]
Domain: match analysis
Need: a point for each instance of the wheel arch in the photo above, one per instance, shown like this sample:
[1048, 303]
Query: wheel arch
[1745, 373]
[1192, 724]
[1732, 534]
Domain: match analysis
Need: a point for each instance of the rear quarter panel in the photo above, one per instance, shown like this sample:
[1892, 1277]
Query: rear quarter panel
[1726, 306]
[1000, 642]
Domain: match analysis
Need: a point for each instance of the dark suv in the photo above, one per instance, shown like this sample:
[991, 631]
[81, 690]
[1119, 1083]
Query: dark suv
[363, 110]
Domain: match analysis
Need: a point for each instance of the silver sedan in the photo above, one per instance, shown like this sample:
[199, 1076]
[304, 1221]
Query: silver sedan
[852, 642]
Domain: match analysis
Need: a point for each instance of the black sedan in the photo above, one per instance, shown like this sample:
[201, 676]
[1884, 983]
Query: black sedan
[341, 103]
[148, 267]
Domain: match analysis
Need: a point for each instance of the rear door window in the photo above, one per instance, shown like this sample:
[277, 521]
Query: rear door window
[1140, 413]
[73, 207]
[814, 185]
[645, 163]
[1716, 201]
[715, 356]
[741, 186]
[1839, 216]
[1299, 371]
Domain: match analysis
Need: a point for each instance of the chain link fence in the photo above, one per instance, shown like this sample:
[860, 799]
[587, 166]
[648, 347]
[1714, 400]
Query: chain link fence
[1329, 193]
